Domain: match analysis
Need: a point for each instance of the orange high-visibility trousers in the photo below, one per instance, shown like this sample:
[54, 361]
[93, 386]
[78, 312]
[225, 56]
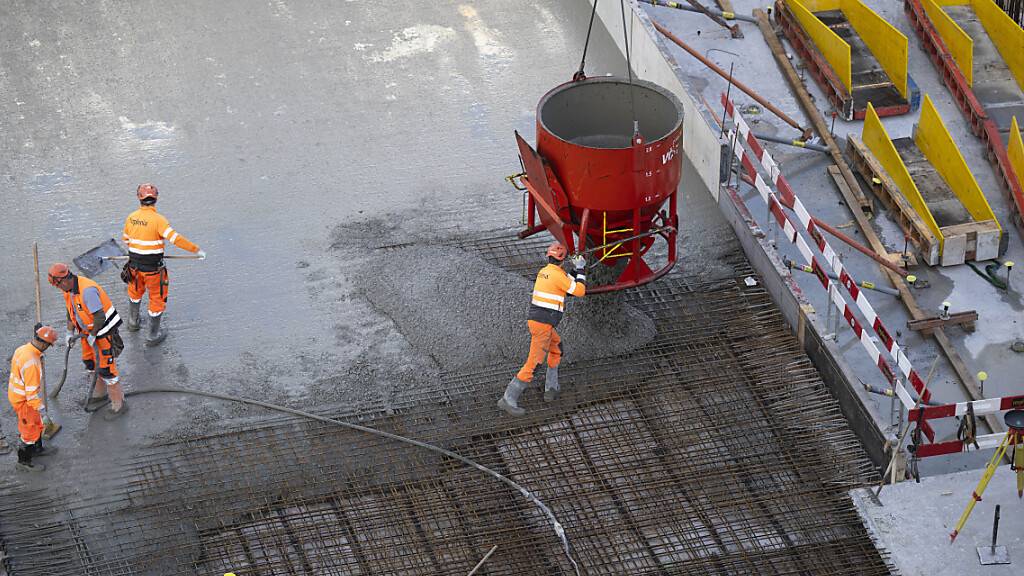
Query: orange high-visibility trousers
[30, 424]
[107, 364]
[544, 343]
[155, 283]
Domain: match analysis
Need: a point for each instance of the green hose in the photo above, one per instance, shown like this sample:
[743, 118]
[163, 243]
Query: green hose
[555, 524]
[990, 273]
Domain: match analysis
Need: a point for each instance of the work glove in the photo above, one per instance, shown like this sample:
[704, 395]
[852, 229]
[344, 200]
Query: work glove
[69, 339]
[201, 254]
[44, 416]
[578, 261]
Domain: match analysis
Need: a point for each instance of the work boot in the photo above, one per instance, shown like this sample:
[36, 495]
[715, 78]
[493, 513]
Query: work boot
[110, 415]
[25, 460]
[96, 402]
[156, 335]
[133, 316]
[509, 402]
[39, 450]
[551, 389]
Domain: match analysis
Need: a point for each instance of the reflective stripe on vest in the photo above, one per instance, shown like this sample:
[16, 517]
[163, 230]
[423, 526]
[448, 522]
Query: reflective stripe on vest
[83, 317]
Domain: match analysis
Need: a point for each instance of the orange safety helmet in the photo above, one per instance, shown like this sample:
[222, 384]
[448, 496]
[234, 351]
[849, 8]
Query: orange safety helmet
[146, 190]
[46, 334]
[58, 272]
[557, 250]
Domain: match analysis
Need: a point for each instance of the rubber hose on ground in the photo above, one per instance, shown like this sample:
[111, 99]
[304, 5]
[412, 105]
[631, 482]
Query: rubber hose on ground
[555, 524]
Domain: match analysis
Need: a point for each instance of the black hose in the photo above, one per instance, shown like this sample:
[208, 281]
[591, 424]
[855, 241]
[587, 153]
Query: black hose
[555, 524]
[990, 273]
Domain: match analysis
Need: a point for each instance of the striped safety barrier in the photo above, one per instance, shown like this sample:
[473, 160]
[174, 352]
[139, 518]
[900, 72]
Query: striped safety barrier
[792, 234]
[789, 199]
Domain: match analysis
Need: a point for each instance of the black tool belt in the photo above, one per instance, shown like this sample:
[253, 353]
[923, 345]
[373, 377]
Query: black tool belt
[146, 262]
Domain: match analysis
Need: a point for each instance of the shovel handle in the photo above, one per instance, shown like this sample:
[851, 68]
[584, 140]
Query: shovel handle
[175, 257]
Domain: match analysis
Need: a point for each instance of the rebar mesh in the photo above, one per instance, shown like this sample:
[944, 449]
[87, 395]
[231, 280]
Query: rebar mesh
[713, 450]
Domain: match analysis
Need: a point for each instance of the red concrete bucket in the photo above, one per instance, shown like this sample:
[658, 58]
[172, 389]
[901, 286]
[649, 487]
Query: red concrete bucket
[607, 163]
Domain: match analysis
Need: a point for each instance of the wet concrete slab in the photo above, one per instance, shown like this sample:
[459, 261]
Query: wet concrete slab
[271, 130]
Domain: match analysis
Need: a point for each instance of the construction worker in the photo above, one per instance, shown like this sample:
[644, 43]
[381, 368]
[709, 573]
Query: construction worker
[91, 314]
[145, 232]
[546, 309]
[23, 390]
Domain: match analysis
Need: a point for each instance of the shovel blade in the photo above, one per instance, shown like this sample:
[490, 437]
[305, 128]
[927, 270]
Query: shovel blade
[91, 263]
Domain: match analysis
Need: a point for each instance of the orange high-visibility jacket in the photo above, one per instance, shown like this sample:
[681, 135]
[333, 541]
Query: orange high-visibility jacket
[80, 313]
[549, 291]
[145, 231]
[26, 370]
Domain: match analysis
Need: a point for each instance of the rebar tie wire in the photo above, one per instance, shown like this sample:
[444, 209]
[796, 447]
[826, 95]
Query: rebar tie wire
[555, 524]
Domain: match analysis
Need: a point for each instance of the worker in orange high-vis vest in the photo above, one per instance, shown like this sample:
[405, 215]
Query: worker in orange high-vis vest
[23, 390]
[91, 314]
[546, 308]
[145, 232]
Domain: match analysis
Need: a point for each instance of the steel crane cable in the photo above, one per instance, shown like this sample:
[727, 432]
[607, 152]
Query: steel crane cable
[629, 64]
[586, 43]
[555, 524]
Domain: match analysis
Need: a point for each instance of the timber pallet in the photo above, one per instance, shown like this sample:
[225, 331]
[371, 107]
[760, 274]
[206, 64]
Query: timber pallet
[982, 125]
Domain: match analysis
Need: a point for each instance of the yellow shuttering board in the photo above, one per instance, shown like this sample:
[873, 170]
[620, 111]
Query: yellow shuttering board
[877, 140]
[938, 147]
[1016, 151]
[1005, 34]
[888, 44]
[831, 46]
[959, 43]
[822, 5]
[952, 2]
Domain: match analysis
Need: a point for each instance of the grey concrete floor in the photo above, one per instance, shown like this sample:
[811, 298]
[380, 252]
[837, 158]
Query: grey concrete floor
[287, 139]
[999, 322]
[278, 134]
[913, 522]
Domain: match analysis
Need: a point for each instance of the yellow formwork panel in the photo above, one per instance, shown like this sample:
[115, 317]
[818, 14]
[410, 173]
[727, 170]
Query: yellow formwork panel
[877, 140]
[889, 45]
[935, 142]
[952, 2]
[822, 5]
[1006, 35]
[959, 43]
[835, 50]
[1016, 151]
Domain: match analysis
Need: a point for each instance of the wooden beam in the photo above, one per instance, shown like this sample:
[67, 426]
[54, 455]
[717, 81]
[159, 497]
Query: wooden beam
[927, 325]
[967, 379]
[860, 200]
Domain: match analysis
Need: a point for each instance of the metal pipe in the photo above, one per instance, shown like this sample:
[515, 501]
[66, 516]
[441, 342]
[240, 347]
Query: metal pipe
[846, 239]
[724, 14]
[746, 89]
[797, 143]
[890, 393]
[482, 560]
[864, 284]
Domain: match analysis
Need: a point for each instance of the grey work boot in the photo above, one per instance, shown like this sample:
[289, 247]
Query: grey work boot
[156, 335]
[551, 389]
[110, 415]
[133, 316]
[509, 402]
[25, 460]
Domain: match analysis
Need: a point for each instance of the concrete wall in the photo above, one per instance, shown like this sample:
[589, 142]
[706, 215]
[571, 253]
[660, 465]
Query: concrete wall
[702, 158]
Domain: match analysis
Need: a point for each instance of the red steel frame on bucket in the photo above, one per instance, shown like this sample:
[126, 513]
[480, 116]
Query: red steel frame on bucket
[981, 125]
[921, 415]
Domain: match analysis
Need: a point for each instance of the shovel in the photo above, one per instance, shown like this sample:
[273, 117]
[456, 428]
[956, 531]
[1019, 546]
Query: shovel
[50, 427]
[93, 262]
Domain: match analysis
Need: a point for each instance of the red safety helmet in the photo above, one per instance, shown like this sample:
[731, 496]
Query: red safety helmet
[557, 250]
[146, 190]
[46, 334]
[58, 272]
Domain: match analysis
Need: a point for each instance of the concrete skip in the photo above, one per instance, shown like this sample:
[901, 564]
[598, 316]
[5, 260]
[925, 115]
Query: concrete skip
[931, 174]
[866, 57]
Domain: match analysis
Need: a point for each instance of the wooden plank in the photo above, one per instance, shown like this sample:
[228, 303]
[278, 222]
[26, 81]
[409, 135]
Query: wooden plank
[967, 379]
[967, 317]
[888, 192]
[859, 199]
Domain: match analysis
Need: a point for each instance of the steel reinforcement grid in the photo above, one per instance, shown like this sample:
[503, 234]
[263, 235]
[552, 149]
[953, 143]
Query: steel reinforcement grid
[715, 449]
